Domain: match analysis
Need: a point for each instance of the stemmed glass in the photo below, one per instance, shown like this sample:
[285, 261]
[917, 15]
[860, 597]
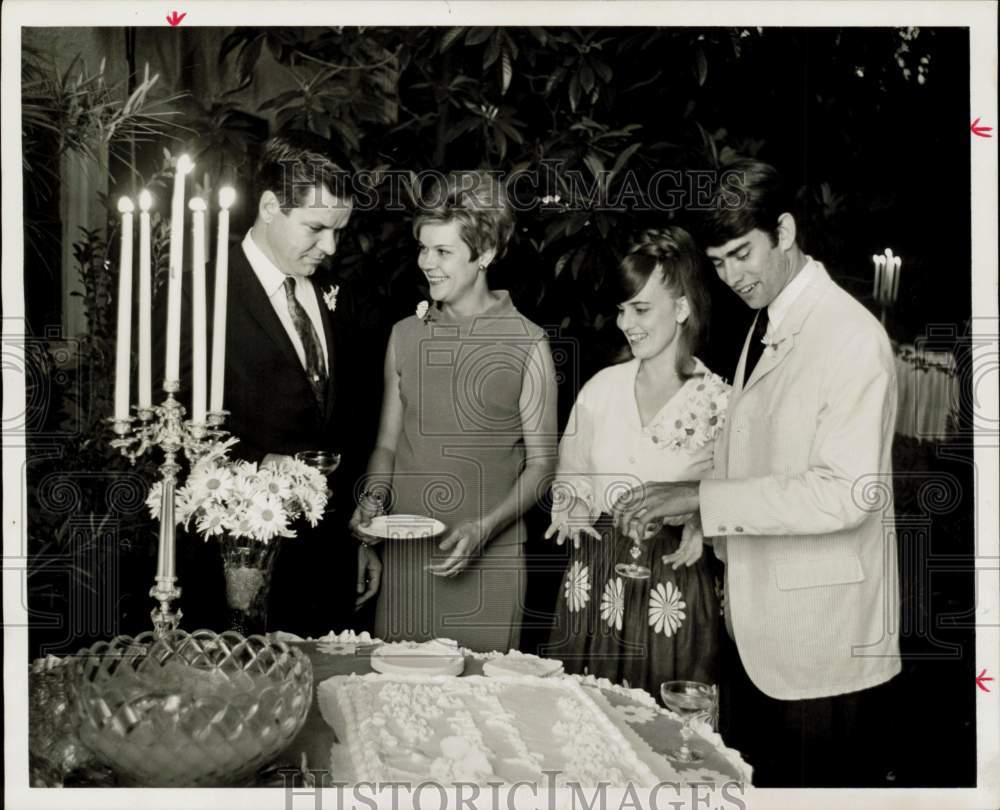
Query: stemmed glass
[688, 699]
[326, 461]
[632, 570]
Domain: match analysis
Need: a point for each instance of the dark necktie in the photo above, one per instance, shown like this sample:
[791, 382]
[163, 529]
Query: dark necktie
[756, 347]
[315, 367]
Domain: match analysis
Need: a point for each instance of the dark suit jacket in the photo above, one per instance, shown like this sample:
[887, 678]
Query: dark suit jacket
[272, 410]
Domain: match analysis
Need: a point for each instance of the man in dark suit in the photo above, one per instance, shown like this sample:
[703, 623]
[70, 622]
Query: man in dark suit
[286, 371]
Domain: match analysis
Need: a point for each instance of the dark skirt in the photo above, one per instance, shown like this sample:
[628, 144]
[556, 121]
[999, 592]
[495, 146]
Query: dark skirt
[642, 632]
[481, 608]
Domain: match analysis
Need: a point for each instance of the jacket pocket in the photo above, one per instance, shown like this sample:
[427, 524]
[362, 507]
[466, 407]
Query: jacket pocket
[841, 570]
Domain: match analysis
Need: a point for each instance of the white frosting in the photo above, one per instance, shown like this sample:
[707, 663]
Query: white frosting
[477, 729]
[435, 657]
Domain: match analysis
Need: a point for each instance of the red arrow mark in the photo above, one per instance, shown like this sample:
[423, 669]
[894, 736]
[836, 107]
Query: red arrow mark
[175, 18]
[982, 132]
[979, 680]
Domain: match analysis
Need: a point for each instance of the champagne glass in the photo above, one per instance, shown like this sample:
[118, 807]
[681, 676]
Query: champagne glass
[633, 570]
[688, 699]
[326, 461]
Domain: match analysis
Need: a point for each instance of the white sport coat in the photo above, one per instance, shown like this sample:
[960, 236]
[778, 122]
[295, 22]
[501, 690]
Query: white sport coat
[801, 502]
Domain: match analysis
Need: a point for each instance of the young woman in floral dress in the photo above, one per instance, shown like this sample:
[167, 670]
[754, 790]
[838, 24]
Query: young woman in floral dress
[653, 418]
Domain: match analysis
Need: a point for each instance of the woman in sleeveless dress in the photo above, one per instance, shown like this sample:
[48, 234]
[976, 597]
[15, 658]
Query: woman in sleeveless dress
[467, 434]
[653, 418]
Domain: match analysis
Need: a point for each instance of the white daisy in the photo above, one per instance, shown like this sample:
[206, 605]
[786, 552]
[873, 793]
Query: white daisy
[154, 498]
[613, 602]
[247, 480]
[267, 518]
[209, 482]
[275, 484]
[577, 586]
[666, 609]
[213, 520]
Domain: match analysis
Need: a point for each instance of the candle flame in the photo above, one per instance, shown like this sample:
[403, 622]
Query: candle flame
[125, 205]
[227, 196]
[184, 165]
[197, 204]
[145, 200]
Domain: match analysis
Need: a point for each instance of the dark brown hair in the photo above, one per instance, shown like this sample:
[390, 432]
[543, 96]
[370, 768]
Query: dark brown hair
[672, 253]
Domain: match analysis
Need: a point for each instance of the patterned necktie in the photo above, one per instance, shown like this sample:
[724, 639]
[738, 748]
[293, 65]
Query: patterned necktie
[315, 367]
[756, 347]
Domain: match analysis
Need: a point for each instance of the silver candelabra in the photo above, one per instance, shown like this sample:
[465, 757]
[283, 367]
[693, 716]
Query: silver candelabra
[164, 426]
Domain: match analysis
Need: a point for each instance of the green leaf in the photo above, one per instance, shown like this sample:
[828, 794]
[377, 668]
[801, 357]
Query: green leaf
[574, 91]
[540, 34]
[501, 141]
[506, 71]
[491, 53]
[595, 164]
[602, 70]
[553, 80]
[623, 158]
[512, 133]
[561, 263]
[450, 37]
[478, 35]
[587, 79]
[701, 66]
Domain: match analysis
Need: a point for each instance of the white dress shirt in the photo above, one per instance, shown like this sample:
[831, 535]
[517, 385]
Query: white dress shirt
[783, 301]
[273, 280]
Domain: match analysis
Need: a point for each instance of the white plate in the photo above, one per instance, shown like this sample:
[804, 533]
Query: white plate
[516, 663]
[402, 527]
[429, 658]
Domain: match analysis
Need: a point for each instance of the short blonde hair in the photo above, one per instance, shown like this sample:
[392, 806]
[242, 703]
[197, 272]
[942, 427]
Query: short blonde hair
[477, 201]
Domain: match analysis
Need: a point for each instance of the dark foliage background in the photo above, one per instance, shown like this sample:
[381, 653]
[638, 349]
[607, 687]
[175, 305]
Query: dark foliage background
[871, 126]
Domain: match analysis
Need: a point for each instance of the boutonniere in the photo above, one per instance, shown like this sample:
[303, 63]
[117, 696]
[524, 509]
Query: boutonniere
[424, 312]
[330, 297]
[772, 341]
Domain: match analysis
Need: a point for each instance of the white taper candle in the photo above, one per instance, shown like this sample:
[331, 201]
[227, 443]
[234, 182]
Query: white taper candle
[199, 343]
[226, 198]
[184, 166]
[124, 354]
[145, 302]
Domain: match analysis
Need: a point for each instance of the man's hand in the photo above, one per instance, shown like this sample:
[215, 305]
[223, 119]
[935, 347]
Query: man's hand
[369, 575]
[570, 522]
[691, 546]
[464, 542]
[654, 503]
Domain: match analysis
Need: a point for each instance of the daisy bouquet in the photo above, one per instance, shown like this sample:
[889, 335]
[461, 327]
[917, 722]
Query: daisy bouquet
[245, 501]
[700, 418]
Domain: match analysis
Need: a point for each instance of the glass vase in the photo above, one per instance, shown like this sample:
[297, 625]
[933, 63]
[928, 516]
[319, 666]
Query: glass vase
[248, 565]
